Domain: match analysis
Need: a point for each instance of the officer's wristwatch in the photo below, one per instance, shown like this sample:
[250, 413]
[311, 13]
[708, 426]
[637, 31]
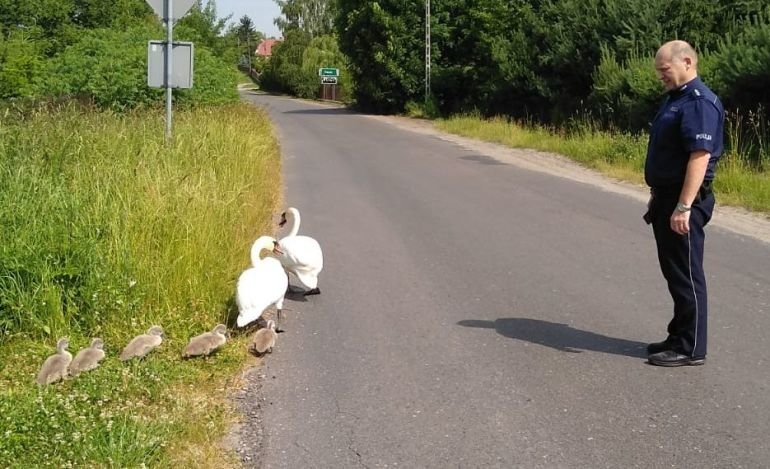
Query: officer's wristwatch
[682, 208]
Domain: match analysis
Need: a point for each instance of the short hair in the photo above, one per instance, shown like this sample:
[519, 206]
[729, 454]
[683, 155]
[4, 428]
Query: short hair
[679, 50]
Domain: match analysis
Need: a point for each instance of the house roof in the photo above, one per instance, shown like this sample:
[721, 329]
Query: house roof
[265, 48]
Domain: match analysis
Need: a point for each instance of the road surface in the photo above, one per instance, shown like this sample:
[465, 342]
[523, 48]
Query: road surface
[477, 313]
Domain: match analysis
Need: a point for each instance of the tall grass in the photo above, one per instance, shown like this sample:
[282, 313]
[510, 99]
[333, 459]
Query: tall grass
[102, 224]
[106, 231]
[620, 154]
[743, 173]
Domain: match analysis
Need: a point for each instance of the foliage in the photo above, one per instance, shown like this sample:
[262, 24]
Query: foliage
[117, 78]
[742, 68]
[201, 26]
[383, 42]
[104, 228]
[215, 82]
[283, 71]
[625, 95]
[308, 45]
[293, 68]
[117, 68]
[618, 154]
[58, 23]
[315, 17]
[546, 59]
[22, 66]
[322, 52]
[105, 231]
[97, 51]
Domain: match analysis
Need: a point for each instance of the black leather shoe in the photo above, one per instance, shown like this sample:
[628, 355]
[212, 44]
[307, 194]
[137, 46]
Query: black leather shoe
[657, 347]
[671, 358]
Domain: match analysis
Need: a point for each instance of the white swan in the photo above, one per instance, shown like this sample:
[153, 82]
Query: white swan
[261, 285]
[301, 256]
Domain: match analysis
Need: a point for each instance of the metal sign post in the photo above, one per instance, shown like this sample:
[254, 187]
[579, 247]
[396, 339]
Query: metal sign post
[168, 11]
[329, 79]
[169, 64]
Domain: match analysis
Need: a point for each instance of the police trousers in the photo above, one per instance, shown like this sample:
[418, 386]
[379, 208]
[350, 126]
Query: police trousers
[681, 261]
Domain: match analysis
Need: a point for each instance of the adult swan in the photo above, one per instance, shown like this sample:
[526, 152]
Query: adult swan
[261, 285]
[301, 256]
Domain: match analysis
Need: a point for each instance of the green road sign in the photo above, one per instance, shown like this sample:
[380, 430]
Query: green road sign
[328, 72]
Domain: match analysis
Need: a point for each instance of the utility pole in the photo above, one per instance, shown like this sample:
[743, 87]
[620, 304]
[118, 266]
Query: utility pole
[169, 65]
[248, 49]
[427, 51]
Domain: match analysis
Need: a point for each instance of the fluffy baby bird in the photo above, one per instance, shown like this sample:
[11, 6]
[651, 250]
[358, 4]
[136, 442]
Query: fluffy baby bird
[206, 343]
[55, 367]
[142, 344]
[88, 358]
[264, 339]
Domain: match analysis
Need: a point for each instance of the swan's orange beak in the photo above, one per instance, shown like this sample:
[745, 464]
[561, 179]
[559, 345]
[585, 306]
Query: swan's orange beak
[277, 248]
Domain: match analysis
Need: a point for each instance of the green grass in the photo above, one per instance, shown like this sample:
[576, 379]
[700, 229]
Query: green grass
[107, 231]
[617, 154]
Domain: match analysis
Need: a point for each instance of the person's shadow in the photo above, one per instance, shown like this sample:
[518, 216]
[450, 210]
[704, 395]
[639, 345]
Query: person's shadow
[559, 336]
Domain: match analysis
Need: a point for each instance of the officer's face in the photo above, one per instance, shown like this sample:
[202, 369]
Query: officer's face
[673, 73]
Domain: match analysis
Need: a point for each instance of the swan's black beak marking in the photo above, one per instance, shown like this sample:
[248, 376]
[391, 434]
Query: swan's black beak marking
[283, 219]
[277, 248]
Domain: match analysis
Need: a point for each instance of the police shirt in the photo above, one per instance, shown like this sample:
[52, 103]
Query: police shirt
[691, 119]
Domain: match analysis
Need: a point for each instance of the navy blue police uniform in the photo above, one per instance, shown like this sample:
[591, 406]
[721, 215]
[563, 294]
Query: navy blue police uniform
[690, 119]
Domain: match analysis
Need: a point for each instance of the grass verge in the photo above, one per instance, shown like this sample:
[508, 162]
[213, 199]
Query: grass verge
[107, 231]
[619, 155]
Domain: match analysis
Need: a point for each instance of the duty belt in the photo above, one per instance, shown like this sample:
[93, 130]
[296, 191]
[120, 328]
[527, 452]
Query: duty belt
[674, 191]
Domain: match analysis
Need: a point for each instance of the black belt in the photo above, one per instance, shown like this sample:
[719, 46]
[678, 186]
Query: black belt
[674, 191]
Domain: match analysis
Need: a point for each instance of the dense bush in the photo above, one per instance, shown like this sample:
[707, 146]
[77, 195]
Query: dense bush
[741, 68]
[386, 48]
[98, 51]
[117, 71]
[116, 64]
[284, 69]
[548, 59]
[293, 68]
[22, 66]
[625, 94]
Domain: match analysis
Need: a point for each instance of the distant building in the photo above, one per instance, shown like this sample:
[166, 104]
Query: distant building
[265, 48]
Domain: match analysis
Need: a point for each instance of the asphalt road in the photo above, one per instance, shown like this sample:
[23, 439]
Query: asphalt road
[475, 313]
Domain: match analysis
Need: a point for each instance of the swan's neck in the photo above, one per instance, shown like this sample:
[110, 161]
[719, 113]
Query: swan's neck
[294, 227]
[263, 243]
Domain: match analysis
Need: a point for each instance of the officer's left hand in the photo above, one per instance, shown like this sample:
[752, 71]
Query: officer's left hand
[680, 222]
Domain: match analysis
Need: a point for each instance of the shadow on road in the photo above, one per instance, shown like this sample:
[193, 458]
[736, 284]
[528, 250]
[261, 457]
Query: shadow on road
[324, 111]
[483, 159]
[295, 295]
[559, 336]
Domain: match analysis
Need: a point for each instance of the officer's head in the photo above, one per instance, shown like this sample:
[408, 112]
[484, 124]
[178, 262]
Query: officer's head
[676, 63]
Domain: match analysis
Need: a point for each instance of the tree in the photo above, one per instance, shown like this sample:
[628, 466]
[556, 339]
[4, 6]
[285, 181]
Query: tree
[385, 44]
[22, 67]
[201, 26]
[284, 69]
[315, 17]
[246, 34]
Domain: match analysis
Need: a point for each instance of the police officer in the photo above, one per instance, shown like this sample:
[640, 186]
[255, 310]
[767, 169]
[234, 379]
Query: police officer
[685, 144]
